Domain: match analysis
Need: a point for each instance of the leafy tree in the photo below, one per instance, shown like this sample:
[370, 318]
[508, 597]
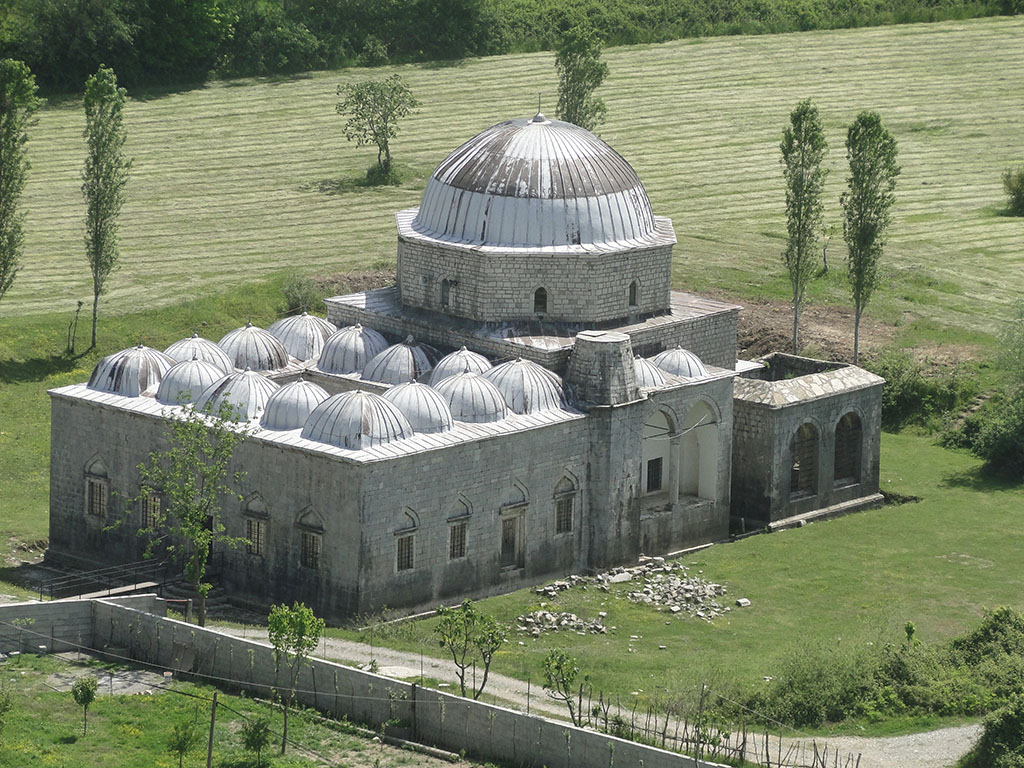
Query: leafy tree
[871, 152]
[18, 103]
[374, 108]
[561, 672]
[190, 478]
[256, 736]
[580, 73]
[84, 693]
[184, 736]
[469, 635]
[104, 178]
[294, 633]
[803, 149]
[1013, 183]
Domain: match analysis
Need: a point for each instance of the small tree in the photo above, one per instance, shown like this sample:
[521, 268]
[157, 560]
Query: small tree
[184, 736]
[580, 73]
[294, 633]
[1013, 183]
[191, 478]
[803, 149]
[84, 693]
[374, 108]
[256, 736]
[18, 103]
[560, 675]
[871, 152]
[469, 635]
[103, 178]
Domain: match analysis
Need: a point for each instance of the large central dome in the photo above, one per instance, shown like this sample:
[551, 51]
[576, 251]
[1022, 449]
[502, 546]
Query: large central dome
[534, 184]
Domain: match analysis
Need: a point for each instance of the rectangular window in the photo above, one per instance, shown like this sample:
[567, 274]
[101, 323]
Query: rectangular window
[512, 549]
[150, 510]
[457, 541]
[404, 560]
[311, 550]
[563, 514]
[654, 475]
[96, 503]
[256, 533]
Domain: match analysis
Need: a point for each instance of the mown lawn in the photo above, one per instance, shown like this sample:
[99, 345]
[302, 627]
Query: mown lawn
[834, 585]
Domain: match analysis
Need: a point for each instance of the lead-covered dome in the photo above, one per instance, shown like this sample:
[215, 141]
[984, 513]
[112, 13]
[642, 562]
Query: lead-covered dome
[302, 336]
[526, 386]
[401, 363]
[185, 382]
[290, 406]
[535, 183]
[356, 420]
[255, 348]
[459, 361]
[131, 372]
[472, 398]
[349, 349]
[244, 394]
[648, 375]
[680, 362]
[423, 406]
[197, 348]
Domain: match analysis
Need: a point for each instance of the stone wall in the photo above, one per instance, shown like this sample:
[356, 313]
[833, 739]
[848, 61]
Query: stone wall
[59, 625]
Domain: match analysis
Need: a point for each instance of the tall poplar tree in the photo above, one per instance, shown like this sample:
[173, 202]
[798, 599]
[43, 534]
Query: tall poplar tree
[18, 103]
[580, 72]
[803, 149]
[103, 178]
[871, 152]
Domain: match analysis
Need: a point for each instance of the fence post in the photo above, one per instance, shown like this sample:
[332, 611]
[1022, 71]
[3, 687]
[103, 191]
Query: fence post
[412, 705]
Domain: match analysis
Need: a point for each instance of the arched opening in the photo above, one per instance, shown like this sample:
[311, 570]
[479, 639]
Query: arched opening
[655, 454]
[803, 448]
[848, 450]
[633, 290]
[540, 301]
[97, 488]
[698, 463]
[446, 293]
[565, 501]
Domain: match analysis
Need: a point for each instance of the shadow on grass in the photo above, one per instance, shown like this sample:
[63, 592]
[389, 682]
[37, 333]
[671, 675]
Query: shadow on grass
[981, 479]
[373, 178]
[71, 739]
[37, 368]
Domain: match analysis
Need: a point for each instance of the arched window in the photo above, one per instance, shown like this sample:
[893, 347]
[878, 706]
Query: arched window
[803, 478]
[633, 294]
[565, 498]
[848, 447]
[540, 301]
[97, 488]
[446, 292]
[699, 453]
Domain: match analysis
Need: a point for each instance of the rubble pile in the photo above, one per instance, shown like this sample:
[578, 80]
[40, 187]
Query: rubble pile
[537, 622]
[668, 586]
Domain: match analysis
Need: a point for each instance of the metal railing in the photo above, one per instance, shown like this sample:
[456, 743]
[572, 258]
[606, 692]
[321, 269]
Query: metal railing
[114, 577]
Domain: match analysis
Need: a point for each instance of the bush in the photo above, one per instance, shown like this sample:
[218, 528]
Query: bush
[301, 294]
[1013, 183]
[995, 434]
[910, 396]
[1001, 744]
[265, 42]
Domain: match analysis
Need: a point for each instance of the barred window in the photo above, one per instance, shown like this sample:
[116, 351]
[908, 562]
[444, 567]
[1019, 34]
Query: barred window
[150, 510]
[311, 550]
[256, 533]
[96, 496]
[404, 561]
[563, 514]
[654, 475]
[457, 541]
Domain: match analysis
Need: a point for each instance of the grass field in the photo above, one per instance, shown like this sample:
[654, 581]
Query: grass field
[243, 179]
[830, 586]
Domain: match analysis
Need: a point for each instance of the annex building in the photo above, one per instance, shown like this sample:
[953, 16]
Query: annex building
[530, 399]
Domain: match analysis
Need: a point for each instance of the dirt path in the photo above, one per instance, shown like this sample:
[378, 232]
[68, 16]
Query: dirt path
[934, 749]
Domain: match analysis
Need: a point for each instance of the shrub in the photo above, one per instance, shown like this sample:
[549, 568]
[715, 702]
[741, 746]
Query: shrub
[910, 396]
[995, 434]
[1013, 183]
[301, 294]
[1001, 744]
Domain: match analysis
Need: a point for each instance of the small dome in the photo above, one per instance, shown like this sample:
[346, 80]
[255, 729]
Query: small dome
[186, 381]
[648, 375]
[526, 386]
[460, 361]
[425, 409]
[245, 392]
[302, 336]
[254, 348]
[472, 398]
[290, 406]
[401, 363]
[197, 348]
[680, 362]
[131, 372]
[349, 349]
[356, 420]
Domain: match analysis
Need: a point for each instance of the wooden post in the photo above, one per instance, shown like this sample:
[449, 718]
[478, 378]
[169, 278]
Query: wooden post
[412, 704]
[213, 719]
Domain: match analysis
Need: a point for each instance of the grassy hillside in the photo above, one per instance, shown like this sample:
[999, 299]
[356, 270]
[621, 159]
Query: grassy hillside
[243, 179]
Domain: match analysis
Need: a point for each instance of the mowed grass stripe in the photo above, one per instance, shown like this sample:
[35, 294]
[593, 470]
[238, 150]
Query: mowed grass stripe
[227, 175]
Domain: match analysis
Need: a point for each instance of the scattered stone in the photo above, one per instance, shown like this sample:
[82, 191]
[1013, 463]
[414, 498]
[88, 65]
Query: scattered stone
[662, 647]
[743, 602]
[538, 622]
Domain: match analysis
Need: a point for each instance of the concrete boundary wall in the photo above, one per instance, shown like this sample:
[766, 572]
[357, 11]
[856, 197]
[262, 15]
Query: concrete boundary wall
[60, 625]
[425, 715]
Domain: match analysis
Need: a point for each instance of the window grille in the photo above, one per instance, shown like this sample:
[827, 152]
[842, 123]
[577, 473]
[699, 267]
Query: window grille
[563, 514]
[404, 560]
[654, 475]
[457, 541]
[150, 510]
[256, 533]
[96, 501]
[311, 544]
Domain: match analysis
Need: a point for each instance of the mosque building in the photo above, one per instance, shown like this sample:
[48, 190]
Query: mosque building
[530, 399]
